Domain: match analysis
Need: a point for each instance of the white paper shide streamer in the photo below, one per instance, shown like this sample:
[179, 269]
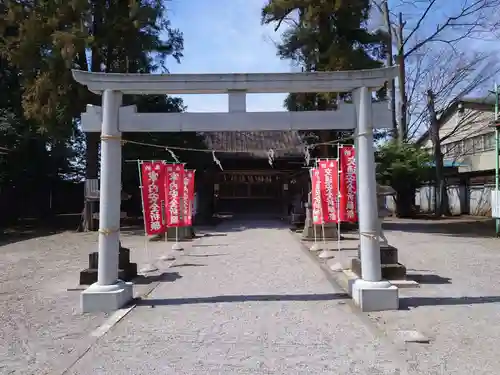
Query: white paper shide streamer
[217, 161]
[307, 156]
[172, 154]
[270, 157]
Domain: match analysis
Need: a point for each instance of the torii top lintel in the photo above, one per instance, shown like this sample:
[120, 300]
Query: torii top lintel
[339, 81]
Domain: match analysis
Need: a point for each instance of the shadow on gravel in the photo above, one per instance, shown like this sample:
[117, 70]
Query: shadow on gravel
[213, 235]
[13, 235]
[458, 227]
[205, 255]
[164, 277]
[428, 279]
[406, 303]
[244, 298]
[212, 245]
[188, 265]
[242, 224]
[27, 229]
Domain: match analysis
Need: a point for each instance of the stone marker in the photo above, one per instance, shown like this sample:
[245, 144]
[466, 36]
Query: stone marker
[329, 230]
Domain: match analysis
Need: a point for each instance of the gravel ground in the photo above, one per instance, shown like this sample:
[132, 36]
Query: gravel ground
[245, 300]
[248, 300]
[41, 328]
[458, 303]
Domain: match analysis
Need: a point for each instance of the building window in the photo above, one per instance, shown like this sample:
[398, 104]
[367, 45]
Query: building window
[468, 146]
[489, 141]
[445, 149]
[478, 143]
[453, 150]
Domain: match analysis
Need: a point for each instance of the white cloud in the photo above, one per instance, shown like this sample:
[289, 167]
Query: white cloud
[225, 36]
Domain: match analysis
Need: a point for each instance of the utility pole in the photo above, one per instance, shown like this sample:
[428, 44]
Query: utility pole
[402, 134]
[497, 220]
[389, 63]
[495, 195]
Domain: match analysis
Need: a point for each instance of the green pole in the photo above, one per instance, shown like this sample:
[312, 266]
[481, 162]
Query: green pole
[497, 221]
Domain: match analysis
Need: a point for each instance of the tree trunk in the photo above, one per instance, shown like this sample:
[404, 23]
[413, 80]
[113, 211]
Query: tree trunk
[405, 201]
[441, 206]
[92, 139]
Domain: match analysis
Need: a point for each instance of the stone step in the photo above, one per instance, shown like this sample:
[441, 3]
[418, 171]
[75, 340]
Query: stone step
[123, 259]
[89, 275]
[395, 271]
[388, 254]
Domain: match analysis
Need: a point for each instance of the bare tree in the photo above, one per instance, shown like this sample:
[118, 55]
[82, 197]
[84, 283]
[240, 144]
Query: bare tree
[416, 25]
[450, 80]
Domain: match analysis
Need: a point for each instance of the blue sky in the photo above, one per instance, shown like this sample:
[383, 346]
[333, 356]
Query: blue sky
[225, 36]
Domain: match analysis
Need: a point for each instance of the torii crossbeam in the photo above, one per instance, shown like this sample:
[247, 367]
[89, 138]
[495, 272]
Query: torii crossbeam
[109, 293]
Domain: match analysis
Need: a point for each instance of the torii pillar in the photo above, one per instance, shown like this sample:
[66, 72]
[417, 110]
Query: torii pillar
[109, 293]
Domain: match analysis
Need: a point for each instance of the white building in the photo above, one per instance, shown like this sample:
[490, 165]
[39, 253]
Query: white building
[468, 147]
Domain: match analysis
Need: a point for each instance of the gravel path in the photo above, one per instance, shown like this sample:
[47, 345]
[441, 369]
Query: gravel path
[41, 328]
[458, 303]
[40, 322]
[246, 300]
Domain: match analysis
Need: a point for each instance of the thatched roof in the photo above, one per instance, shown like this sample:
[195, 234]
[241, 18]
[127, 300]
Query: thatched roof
[257, 143]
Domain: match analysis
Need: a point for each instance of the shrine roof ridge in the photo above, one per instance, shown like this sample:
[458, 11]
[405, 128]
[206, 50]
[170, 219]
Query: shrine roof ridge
[256, 143]
[218, 83]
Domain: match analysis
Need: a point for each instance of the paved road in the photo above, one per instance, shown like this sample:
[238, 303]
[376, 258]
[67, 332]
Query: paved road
[246, 300]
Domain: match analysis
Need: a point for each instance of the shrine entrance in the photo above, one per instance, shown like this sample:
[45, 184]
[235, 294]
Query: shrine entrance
[252, 192]
[109, 293]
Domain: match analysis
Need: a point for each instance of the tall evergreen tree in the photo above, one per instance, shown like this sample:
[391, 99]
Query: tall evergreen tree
[43, 40]
[321, 36]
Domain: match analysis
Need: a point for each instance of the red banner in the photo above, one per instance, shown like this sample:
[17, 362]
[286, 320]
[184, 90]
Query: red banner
[348, 187]
[174, 188]
[152, 177]
[316, 200]
[188, 197]
[329, 174]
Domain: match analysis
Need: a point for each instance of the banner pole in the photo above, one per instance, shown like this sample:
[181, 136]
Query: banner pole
[177, 246]
[323, 224]
[148, 267]
[315, 246]
[166, 257]
[339, 176]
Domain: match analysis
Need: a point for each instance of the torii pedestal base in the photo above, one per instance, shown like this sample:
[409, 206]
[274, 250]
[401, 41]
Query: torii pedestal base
[127, 270]
[372, 296]
[391, 268]
[106, 298]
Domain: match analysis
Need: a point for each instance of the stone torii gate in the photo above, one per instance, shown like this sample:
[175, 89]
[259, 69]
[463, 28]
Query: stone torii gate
[109, 293]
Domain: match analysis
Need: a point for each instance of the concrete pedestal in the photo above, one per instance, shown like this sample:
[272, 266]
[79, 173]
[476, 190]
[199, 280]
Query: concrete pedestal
[183, 233]
[375, 295]
[329, 230]
[319, 232]
[106, 298]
